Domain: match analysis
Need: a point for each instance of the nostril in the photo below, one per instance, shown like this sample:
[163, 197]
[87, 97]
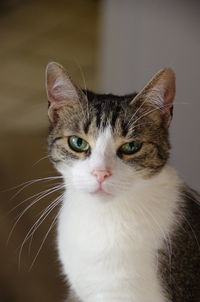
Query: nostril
[101, 175]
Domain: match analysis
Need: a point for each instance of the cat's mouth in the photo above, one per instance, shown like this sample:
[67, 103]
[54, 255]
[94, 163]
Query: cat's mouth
[101, 192]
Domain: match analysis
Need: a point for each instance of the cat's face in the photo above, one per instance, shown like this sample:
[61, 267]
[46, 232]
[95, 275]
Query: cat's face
[104, 144]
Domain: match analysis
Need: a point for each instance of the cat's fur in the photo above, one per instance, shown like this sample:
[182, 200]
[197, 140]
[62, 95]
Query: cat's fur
[138, 241]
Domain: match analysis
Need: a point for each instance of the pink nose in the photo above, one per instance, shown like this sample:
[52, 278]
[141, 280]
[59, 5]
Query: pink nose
[101, 175]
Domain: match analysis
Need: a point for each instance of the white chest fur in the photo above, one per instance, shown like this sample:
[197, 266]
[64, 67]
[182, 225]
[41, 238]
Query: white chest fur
[109, 248]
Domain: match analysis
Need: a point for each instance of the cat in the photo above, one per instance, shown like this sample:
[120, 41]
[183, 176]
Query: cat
[129, 227]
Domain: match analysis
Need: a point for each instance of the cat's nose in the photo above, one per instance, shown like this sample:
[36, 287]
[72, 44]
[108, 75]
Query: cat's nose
[101, 175]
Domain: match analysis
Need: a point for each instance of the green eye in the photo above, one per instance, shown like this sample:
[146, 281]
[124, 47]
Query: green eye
[78, 144]
[130, 148]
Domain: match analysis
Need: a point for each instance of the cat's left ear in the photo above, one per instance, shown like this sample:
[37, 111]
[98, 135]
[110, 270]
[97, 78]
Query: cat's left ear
[159, 93]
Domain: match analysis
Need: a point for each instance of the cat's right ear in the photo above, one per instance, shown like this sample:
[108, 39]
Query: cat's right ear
[159, 94]
[60, 89]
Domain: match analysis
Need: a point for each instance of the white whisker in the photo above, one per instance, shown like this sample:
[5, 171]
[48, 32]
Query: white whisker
[45, 213]
[47, 192]
[45, 237]
[40, 194]
[47, 156]
[29, 183]
[37, 224]
[137, 111]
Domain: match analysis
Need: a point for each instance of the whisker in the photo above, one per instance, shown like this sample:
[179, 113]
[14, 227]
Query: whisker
[159, 107]
[145, 114]
[138, 125]
[29, 206]
[33, 196]
[45, 237]
[81, 72]
[44, 213]
[84, 84]
[137, 111]
[190, 197]
[37, 224]
[192, 230]
[44, 157]
[29, 183]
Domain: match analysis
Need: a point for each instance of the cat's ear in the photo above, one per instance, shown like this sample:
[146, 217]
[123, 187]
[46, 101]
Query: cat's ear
[60, 89]
[159, 93]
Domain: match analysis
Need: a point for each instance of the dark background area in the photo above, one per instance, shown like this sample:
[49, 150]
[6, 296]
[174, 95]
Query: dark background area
[32, 34]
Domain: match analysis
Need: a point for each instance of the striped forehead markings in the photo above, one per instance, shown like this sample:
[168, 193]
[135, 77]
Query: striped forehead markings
[107, 114]
[103, 113]
[86, 126]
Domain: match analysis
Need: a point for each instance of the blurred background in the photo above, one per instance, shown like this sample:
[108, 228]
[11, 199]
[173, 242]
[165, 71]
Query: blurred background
[109, 46]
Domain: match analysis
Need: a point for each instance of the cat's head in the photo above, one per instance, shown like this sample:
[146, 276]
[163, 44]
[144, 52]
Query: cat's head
[102, 143]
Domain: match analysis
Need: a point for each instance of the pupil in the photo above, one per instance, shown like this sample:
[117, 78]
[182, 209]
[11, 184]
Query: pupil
[79, 142]
[131, 146]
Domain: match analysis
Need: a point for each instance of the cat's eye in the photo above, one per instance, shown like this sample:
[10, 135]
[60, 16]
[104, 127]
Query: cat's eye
[78, 144]
[130, 148]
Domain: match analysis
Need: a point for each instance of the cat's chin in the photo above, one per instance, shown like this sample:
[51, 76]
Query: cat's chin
[101, 192]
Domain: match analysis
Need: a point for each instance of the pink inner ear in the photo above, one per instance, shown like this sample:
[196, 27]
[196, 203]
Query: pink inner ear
[53, 111]
[52, 97]
[55, 94]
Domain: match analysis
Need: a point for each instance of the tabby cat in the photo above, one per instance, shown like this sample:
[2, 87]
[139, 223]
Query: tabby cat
[129, 228]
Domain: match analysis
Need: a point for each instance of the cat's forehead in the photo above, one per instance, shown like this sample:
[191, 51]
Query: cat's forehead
[106, 103]
[108, 110]
[101, 113]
